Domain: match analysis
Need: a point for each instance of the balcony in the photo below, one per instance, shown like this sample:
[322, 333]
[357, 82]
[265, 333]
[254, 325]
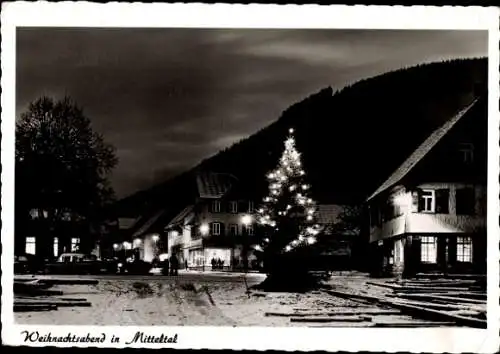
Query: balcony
[426, 223]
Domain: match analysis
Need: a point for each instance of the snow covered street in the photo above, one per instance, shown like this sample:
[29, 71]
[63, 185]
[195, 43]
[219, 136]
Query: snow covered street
[198, 300]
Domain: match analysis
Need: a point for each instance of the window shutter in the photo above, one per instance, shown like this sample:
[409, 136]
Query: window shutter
[442, 200]
[416, 201]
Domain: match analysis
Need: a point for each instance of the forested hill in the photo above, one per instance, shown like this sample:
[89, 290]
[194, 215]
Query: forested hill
[350, 140]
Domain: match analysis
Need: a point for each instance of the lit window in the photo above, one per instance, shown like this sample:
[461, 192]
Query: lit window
[464, 249]
[233, 207]
[467, 152]
[250, 207]
[30, 247]
[233, 229]
[216, 206]
[75, 244]
[427, 201]
[428, 249]
[398, 251]
[216, 228]
[56, 246]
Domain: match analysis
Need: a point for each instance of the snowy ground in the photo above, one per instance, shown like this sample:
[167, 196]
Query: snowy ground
[192, 301]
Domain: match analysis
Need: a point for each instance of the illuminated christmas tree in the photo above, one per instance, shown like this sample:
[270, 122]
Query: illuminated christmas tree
[287, 217]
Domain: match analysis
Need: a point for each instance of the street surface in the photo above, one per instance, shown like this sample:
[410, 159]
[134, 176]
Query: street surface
[195, 299]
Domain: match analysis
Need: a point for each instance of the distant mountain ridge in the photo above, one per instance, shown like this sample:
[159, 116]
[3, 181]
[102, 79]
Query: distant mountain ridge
[350, 140]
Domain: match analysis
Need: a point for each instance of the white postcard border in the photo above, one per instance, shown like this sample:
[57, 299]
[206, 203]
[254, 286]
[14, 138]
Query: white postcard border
[82, 14]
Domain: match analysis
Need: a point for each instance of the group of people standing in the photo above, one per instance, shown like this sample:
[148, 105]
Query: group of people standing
[217, 263]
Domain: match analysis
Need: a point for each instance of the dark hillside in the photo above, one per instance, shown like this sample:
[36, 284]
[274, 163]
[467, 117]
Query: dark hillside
[351, 140]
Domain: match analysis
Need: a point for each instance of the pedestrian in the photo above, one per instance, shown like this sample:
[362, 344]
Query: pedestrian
[165, 266]
[174, 265]
[214, 263]
[219, 263]
[186, 264]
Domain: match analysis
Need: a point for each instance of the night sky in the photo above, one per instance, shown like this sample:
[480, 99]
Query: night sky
[167, 98]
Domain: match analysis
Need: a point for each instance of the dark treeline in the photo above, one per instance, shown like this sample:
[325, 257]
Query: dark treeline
[350, 140]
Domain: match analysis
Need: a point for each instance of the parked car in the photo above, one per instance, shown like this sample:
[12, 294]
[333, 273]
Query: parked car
[134, 267]
[80, 263]
[27, 264]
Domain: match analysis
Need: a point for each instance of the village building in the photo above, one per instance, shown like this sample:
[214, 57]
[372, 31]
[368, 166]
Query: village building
[35, 237]
[217, 226]
[430, 214]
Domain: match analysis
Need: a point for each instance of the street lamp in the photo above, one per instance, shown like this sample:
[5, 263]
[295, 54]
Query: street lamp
[246, 220]
[204, 229]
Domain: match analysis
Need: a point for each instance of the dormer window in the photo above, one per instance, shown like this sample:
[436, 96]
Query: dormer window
[216, 206]
[466, 151]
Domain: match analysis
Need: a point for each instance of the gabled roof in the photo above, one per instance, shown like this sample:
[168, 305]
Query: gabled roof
[421, 151]
[147, 225]
[179, 218]
[214, 185]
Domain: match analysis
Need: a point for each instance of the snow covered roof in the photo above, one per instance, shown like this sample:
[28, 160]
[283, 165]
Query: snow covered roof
[146, 226]
[180, 218]
[214, 185]
[421, 151]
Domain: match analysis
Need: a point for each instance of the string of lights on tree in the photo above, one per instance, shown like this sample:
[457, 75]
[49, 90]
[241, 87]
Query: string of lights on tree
[288, 202]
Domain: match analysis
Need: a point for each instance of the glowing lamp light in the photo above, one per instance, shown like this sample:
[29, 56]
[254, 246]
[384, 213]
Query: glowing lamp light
[301, 238]
[294, 242]
[290, 130]
[288, 248]
[271, 175]
[311, 240]
[304, 186]
[127, 245]
[257, 247]
[115, 246]
[204, 229]
[266, 240]
[309, 217]
[246, 219]
[402, 199]
[155, 238]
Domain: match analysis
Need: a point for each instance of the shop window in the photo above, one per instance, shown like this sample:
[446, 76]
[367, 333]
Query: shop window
[75, 244]
[56, 246]
[465, 201]
[30, 247]
[428, 246]
[464, 249]
[216, 206]
[427, 201]
[398, 251]
[216, 228]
